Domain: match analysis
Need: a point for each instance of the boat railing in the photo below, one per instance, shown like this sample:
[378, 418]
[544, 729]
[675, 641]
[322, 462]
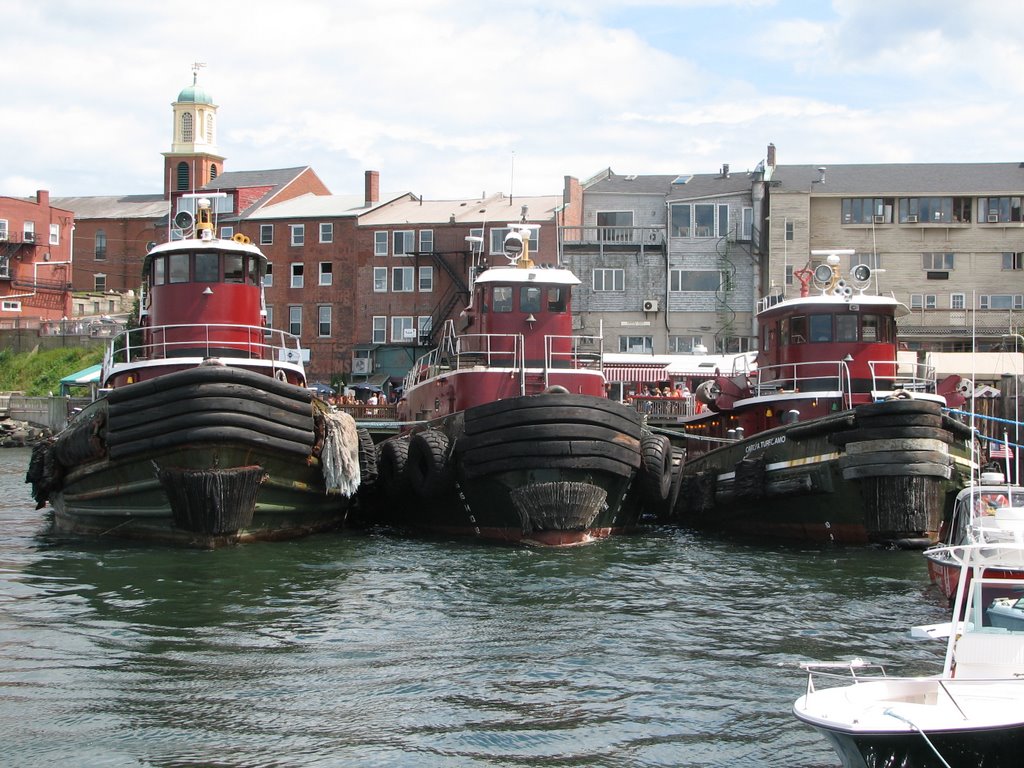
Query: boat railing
[475, 350]
[203, 340]
[573, 352]
[887, 375]
[840, 672]
[814, 376]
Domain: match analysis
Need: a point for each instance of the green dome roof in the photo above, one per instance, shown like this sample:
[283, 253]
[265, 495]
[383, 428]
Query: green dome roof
[195, 94]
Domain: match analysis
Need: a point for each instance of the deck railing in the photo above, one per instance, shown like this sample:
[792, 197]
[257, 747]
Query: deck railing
[204, 340]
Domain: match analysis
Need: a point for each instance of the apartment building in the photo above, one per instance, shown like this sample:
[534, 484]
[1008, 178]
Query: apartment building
[947, 239]
[668, 263]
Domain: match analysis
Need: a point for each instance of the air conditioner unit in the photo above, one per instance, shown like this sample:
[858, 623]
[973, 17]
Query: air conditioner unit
[361, 365]
[993, 218]
[651, 305]
[911, 218]
[879, 219]
[29, 237]
[3, 237]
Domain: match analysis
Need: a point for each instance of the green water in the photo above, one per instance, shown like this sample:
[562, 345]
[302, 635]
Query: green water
[369, 649]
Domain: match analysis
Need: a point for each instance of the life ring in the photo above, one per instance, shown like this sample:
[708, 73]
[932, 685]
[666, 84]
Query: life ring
[427, 466]
[656, 478]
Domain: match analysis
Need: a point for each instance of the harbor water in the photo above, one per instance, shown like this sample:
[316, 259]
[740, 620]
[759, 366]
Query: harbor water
[664, 648]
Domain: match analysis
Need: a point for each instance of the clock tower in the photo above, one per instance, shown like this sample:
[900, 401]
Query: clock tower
[193, 160]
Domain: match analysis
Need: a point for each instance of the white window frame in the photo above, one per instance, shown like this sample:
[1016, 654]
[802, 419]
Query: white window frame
[379, 329]
[747, 223]
[99, 281]
[615, 233]
[268, 276]
[398, 325]
[11, 306]
[423, 326]
[326, 273]
[326, 231]
[403, 279]
[28, 232]
[425, 283]
[1016, 301]
[3, 229]
[266, 234]
[923, 301]
[403, 241]
[958, 301]
[297, 234]
[618, 279]
[55, 234]
[426, 241]
[295, 319]
[380, 279]
[496, 243]
[226, 233]
[380, 243]
[297, 271]
[646, 346]
[269, 309]
[323, 311]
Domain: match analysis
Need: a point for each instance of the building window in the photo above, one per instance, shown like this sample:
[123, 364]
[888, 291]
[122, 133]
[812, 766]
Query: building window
[868, 210]
[380, 329]
[380, 243]
[186, 127]
[326, 273]
[497, 244]
[934, 210]
[957, 301]
[326, 232]
[636, 344]
[684, 344]
[937, 261]
[297, 275]
[402, 280]
[426, 279]
[3, 230]
[268, 276]
[873, 260]
[11, 306]
[999, 210]
[101, 245]
[747, 224]
[679, 217]
[789, 231]
[298, 233]
[404, 241]
[614, 226]
[723, 220]
[922, 301]
[789, 274]
[226, 233]
[99, 282]
[55, 234]
[183, 176]
[1013, 261]
[402, 329]
[323, 320]
[423, 326]
[609, 279]
[694, 280]
[704, 220]
[266, 234]
[270, 316]
[426, 240]
[380, 279]
[1001, 301]
[29, 232]
[213, 168]
[295, 320]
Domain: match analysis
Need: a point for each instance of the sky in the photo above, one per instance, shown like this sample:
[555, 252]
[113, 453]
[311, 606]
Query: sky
[451, 99]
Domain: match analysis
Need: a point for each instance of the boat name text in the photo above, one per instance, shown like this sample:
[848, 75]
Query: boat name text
[761, 444]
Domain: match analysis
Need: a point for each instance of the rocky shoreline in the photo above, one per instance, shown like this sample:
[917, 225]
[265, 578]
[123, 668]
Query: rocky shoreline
[21, 434]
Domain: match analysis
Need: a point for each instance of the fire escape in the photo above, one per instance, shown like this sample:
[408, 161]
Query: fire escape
[457, 291]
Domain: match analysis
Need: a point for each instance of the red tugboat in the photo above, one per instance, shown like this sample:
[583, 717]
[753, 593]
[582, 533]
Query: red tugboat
[514, 438]
[831, 438]
[206, 433]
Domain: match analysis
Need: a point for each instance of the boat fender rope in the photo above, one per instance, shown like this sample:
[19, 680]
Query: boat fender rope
[924, 736]
[339, 458]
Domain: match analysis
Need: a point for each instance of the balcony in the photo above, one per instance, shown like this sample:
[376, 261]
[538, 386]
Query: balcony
[611, 238]
[940, 323]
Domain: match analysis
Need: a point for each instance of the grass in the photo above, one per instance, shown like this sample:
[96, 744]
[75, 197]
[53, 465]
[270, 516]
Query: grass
[39, 372]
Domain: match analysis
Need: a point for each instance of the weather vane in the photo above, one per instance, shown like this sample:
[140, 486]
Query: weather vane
[196, 66]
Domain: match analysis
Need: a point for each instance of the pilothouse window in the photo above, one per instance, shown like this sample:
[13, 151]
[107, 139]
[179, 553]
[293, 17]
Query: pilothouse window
[178, 267]
[207, 267]
[556, 299]
[233, 272]
[502, 299]
[529, 299]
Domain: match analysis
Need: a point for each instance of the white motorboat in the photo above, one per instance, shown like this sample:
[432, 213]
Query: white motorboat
[970, 715]
[1007, 612]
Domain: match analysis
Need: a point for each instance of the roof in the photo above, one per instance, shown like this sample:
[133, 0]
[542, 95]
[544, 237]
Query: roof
[85, 376]
[901, 179]
[195, 94]
[697, 185]
[494, 210]
[114, 206]
[314, 206]
[274, 179]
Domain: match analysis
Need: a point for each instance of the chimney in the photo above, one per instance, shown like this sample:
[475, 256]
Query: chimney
[725, 170]
[821, 175]
[771, 155]
[43, 198]
[372, 187]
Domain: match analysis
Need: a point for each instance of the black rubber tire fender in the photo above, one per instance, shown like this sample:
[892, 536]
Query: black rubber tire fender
[367, 458]
[427, 464]
[391, 461]
[656, 455]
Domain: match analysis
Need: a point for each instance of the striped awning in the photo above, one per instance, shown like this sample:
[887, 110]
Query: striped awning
[636, 373]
